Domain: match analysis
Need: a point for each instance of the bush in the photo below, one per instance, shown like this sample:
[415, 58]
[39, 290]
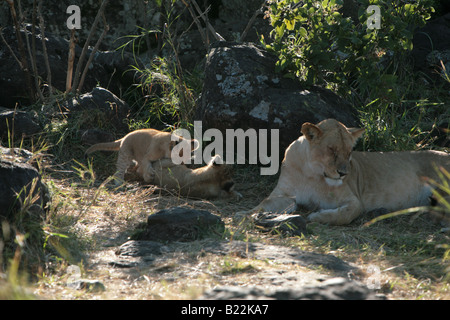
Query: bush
[318, 44]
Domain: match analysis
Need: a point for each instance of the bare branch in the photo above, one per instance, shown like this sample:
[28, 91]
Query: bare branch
[44, 48]
[252, 20]
[197, 22]
[210, 27]
[91, 57]
[70, 61]
[10, 49]
[23, 57]
[86, 45]
[32, 52]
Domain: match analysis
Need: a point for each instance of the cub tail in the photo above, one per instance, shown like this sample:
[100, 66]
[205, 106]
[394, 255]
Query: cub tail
[106, 146]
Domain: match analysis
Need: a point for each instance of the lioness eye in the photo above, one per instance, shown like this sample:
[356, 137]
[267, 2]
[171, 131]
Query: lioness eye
[332, 152]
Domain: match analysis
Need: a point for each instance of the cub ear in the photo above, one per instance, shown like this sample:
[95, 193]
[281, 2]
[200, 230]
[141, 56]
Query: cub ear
[311, 131]
[356, 133]
[216, 160]
[195, 144]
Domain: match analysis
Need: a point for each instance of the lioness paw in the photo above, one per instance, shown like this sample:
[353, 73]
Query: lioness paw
[340, 216]
[327, 216]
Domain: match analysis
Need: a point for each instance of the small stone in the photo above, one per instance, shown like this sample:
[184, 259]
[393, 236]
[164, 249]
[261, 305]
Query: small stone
[291, 225]
[88, 285]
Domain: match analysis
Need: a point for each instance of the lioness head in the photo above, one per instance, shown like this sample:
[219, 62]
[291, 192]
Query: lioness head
[330, 146]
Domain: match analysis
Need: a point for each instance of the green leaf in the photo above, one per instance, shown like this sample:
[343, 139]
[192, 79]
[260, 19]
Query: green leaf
[280, 31]
[290, 24]
[303, 32]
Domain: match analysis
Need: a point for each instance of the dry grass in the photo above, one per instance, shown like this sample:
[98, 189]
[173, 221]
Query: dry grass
[97, 219]
[88, 220]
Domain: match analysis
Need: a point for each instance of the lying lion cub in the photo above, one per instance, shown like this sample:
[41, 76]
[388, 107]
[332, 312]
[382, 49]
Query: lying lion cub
[321, 173]
[211, 181]
[141, 146]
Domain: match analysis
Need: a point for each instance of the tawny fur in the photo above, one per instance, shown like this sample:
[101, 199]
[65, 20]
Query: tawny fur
[141, 146]
[215, 180]
[321, 173]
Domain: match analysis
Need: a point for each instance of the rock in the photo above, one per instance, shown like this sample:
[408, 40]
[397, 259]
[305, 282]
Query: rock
[23, 200]
[431, 43]
[280, 254]
[15, 124]
[17, 155]
[149, 250]
[123, 18]
[291, 225]
[95, 135]
[98, 106]
[332, 289]
[111, 70]
[16, 185]
[242, 90]
[180, 224]
[88, 285]
[133, 248]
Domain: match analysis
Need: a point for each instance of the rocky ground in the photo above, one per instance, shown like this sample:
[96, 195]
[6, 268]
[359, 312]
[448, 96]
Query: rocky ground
[242, 261]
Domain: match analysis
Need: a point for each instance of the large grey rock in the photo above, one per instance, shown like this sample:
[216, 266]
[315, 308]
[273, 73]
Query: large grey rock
[331, 289]
[98, 106]
[242, 90]
[15, 124]
[180, 224]
[22, 190]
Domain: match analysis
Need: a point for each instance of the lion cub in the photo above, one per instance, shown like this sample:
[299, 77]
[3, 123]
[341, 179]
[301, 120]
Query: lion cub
[215, 180]
[142, 147]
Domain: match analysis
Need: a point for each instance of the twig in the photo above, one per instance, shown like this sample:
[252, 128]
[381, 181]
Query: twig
[44, 49]
[86, 45]
[70, 61]
[32, 52]
[210, 27]
[91, 56]
[21, 47]
[147, 27]
[252, 20]
[199, 25]
[10, 49]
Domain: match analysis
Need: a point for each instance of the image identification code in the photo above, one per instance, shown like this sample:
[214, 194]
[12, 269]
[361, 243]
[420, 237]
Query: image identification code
[237, 309]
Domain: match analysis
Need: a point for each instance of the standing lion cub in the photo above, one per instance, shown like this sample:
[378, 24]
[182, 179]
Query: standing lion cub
[321, 173]
[141, 147]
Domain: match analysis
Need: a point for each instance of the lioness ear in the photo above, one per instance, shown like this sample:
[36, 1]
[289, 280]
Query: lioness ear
[356, 133]
[311, 131]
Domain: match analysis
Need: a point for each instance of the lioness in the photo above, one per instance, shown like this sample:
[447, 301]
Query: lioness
[211, 181]
[321, 173]
[142, 146]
